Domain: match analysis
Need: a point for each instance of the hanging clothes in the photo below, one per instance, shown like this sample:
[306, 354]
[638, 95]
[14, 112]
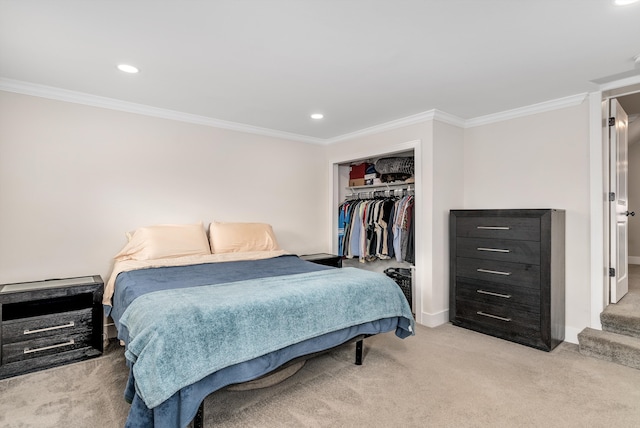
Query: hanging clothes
[380, 228]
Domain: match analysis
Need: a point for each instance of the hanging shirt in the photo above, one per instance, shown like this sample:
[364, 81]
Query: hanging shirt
[377, 229]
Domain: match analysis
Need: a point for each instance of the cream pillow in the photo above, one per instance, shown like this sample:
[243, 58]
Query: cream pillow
[239, 237]
[165, 241]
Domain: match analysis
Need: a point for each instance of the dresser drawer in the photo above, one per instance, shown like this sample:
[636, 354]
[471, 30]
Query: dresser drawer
[523, 298]
[517, 274]
[506, 318]
[21, 329]
[506, 250]
[499, 228]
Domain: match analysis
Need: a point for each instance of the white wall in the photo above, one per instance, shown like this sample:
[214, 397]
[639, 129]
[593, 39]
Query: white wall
[74, 178]
[448, 193]
[634, 201]
[539, 161]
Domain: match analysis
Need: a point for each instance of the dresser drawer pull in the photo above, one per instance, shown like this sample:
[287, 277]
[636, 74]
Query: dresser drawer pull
[484, 314]
[494, 227]
[57, 327]
[495, 272]
[44, 348]
[495, 250]
[491, 293]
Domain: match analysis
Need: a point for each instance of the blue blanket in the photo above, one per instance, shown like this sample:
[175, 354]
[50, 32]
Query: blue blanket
[180, 409]
[133, 284]
[177, 337]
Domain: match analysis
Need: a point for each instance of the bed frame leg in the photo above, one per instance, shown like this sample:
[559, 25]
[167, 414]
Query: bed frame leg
[359, 352]
[198, 421]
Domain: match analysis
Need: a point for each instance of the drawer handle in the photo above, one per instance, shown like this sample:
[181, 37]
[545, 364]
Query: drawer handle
[494, 227]
[495, 250]
[495, 272]
[484, 314]
[44, 348]
[57, 327]
[491, 293]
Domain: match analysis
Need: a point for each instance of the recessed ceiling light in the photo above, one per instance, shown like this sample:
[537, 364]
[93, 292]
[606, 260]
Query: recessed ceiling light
[128, 68]
[623, 2]
[317, 116]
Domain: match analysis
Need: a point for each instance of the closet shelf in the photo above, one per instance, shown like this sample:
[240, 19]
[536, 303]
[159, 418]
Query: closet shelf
[383, 186]
[380, 190]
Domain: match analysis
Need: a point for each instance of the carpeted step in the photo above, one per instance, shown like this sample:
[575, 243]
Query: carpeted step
[623, 317]
[621, 322]
[605, 345]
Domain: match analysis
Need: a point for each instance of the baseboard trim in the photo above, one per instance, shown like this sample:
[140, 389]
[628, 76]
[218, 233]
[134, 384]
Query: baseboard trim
[571, 334]
[434, 320]
[634, 260]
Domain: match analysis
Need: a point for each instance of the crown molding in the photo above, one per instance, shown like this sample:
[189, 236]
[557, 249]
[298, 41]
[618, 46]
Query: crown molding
[542, 107]
[58, 94]
[450, 119]
[620, 83]
[442, 116]
[399, 123]
[49, 92]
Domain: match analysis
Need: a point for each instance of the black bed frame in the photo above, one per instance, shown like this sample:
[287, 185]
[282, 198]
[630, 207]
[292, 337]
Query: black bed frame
[198, 420]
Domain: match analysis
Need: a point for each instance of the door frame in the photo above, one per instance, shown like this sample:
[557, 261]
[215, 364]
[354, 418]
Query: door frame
[618, 239]
[599, 189]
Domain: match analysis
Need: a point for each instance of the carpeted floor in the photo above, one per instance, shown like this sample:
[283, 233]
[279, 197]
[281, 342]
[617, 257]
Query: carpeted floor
[634, 278]
[443, 377]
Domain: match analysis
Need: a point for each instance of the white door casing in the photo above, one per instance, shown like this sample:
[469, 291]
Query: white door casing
[618, 205]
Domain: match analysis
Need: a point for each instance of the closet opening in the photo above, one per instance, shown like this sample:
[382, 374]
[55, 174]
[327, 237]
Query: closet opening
[375, 216]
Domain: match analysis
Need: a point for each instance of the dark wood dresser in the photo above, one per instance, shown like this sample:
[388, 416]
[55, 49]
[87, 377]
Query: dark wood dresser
[49, 323]
[507, 274]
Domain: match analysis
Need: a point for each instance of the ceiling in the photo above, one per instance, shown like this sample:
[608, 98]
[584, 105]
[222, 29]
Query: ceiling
[270, 64]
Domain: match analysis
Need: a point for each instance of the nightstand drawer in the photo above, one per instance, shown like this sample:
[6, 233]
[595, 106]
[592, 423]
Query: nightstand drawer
[45, 346]
[506, 250]
[499, 228]
[518, 274]
[19, 330]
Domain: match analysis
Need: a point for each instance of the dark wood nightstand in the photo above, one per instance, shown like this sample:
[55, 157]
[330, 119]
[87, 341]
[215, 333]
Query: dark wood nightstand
[49, 323]
[323, 259]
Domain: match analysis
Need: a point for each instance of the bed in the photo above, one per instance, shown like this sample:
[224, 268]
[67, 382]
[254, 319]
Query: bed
[197, 315]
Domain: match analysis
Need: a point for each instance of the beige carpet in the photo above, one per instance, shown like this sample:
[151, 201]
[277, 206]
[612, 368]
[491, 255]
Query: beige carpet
[624, 316]
[443, 377]
[619, 339]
